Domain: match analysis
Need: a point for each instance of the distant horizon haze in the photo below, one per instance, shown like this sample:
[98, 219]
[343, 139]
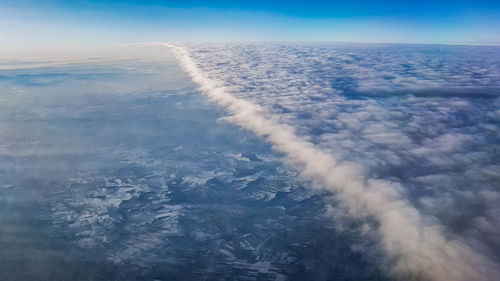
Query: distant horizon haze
[60, 27]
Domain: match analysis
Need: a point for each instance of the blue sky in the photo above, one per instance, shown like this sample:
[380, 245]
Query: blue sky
[43, 24]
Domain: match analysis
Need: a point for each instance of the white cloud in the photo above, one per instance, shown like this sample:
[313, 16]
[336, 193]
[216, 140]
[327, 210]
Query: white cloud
[375, 154]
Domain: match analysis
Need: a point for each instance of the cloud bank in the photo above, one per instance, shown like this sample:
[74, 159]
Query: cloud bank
[406, 160]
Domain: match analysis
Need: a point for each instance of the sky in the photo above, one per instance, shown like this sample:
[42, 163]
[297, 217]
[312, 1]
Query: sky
[34, 26]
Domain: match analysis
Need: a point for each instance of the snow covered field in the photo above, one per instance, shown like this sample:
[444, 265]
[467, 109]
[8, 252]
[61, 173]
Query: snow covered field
[253, 162]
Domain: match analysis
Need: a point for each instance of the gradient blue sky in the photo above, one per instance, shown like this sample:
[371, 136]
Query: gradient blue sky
[25, 24]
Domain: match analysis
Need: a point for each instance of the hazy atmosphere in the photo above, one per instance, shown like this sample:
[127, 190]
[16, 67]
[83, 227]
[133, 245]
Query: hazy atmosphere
[250, 140]
[58, 27]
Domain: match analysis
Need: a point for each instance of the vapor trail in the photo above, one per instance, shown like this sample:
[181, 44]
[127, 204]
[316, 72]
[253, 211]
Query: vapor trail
[419, 249]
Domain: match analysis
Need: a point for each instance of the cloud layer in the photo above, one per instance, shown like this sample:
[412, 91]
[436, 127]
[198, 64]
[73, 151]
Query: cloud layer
[405, 136]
